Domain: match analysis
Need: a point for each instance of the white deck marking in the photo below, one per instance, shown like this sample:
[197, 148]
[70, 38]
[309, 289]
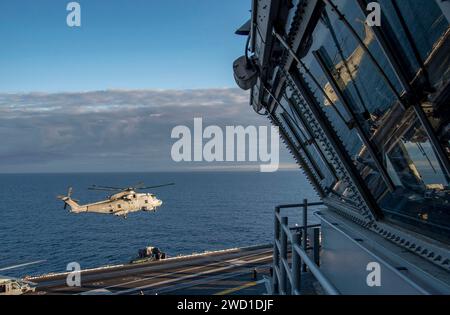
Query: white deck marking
[187, 276]
[23, 265]
[190, 284]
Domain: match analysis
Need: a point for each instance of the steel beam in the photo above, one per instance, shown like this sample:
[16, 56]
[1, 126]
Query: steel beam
[298, 113]
[276, 253]
[305, 229]
[376, 156]
[296, 263]
[335, 142]
[297, 156]
[316, 246]
[283, 256]
[302, 146]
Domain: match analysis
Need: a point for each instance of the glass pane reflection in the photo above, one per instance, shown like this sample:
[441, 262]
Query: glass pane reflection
[422, 193]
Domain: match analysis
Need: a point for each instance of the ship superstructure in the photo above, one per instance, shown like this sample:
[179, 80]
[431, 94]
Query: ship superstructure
[364, 110]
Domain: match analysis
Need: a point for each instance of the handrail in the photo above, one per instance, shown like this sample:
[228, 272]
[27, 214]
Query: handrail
[285, 273]
[324, 282]
[300, 205]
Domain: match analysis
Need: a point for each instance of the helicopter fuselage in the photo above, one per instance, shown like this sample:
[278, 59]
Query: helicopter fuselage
[119, 204]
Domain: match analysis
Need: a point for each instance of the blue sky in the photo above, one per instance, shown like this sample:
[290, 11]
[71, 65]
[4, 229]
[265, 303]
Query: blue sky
[106, 96]
[126, 44]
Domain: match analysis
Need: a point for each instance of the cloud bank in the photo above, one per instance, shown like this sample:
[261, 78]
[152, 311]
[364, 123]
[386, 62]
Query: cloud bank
[113, 130]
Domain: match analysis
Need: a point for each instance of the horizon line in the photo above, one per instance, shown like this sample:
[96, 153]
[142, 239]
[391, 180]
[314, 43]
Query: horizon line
[151, 172]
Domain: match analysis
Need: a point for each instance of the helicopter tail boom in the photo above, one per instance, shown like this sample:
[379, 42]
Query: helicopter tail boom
[68, 201]
[74, 206]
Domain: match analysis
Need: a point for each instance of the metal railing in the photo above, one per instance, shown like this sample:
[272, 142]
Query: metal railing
[287, 271]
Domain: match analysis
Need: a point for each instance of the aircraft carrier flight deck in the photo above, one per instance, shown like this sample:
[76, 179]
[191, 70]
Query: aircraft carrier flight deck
[230, 272]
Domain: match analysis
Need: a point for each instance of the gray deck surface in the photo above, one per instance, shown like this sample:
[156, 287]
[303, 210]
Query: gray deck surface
[230, 272]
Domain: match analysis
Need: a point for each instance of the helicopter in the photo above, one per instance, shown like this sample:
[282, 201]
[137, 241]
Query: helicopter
[124, 200]
[16, 286]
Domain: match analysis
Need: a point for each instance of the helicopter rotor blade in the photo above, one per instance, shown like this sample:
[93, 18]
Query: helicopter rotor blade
[104, 189]
[139, 185]
[157, 186]
[108, 187]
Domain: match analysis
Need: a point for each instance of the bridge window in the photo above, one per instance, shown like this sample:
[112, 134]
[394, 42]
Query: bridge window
[387, 143]
[426, 25]
[422, 195]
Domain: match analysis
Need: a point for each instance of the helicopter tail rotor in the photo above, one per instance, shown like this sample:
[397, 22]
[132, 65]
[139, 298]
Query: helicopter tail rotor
[65, 198]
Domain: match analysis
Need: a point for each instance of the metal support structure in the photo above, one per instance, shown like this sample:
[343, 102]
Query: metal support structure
[321, 59]
[300, 63]
[306, 152]
[302, 162]
[276, 252]
[316, 246]
[305, 229]
[370, 207]
[337, 145]
[296, 263]
[283, 256]
[298, 113]
[359, 206]
[287, 275]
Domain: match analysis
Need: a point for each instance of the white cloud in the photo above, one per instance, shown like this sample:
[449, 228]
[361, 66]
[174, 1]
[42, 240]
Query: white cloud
[107, 130]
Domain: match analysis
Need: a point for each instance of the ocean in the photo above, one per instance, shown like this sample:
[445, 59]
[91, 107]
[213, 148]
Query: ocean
[203, 211]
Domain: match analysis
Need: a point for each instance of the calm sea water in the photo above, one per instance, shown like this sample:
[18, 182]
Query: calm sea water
[204, 211]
